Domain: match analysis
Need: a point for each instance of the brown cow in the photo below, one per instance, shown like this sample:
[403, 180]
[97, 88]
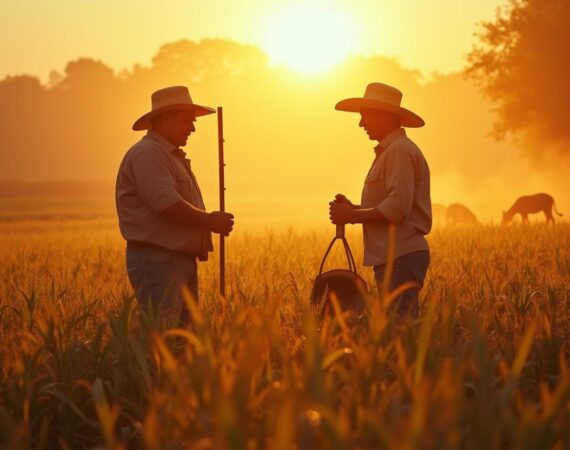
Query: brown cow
[531, 204]
[460, 214]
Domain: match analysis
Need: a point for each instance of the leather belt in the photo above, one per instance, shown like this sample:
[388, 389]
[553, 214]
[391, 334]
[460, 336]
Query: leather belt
[137, 245]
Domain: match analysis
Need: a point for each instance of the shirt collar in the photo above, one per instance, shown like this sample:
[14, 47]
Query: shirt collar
[385, 143]
[164, 143]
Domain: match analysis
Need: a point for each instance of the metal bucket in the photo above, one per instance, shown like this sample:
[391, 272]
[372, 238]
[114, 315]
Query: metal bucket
[348, 287]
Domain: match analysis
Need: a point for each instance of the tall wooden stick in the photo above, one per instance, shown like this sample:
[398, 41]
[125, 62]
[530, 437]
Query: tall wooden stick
[222, 199]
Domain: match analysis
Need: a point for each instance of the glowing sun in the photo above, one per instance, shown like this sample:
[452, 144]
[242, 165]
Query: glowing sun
[309, 39]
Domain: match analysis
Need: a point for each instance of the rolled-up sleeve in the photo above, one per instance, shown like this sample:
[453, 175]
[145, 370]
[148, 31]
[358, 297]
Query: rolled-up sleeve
[154, 181]
[399, 183]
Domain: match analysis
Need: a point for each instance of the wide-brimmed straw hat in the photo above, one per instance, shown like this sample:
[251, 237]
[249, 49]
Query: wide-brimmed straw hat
[174, 98]
[383, 97]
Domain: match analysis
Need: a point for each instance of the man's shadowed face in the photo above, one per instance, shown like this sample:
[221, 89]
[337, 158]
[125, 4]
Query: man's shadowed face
[377, 123]
[176, 126]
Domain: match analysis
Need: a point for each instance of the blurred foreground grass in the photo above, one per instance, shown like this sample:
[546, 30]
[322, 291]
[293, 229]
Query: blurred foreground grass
[485, 367]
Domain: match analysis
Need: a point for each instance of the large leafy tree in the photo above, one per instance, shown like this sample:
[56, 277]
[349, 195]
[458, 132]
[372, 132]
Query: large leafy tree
[522, 63]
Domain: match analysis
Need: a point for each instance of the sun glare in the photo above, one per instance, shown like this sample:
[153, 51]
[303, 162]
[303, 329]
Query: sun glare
[309, 39]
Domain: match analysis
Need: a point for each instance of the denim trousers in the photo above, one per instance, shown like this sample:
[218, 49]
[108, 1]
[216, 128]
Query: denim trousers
[407, 268]
[157, 277]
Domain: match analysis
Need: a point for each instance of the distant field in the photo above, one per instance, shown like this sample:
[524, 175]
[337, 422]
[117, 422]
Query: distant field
[486, 366]
[56, 208]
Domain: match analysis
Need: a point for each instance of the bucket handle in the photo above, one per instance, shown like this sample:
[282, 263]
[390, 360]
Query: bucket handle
[340, 236]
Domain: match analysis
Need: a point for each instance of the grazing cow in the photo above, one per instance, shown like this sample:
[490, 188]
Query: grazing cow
[460, 214]
[531, 204]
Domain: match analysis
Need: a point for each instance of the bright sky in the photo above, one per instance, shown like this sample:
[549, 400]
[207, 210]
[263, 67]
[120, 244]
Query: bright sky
[39, 36]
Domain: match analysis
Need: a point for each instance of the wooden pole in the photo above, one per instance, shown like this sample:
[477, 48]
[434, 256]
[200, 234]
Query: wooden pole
[222, 198]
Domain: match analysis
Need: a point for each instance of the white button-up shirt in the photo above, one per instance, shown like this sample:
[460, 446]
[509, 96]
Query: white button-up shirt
[398, 186]
[153, 176]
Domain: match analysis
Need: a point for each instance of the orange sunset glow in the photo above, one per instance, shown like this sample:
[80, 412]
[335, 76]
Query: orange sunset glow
[287, 63]
[309, 38]
[285, 224]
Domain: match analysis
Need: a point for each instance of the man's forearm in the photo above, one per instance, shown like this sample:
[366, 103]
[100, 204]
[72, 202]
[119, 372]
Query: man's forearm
[184, 212]
[367, 215]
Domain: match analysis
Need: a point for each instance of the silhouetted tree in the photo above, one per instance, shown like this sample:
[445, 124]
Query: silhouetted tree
[17, 92]
[77, 125]
[86, 72]
[23, 113]
[207, 58]
[522, 64]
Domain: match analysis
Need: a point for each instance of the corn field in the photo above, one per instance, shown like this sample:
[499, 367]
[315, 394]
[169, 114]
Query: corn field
[485, 367]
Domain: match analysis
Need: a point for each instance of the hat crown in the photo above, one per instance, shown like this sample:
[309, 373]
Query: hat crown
[383, 93]
[385, 98]
[173, 95]
[172, 98]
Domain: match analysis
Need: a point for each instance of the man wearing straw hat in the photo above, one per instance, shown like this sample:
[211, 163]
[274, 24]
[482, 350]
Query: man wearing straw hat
[160, 207]
[396, 193]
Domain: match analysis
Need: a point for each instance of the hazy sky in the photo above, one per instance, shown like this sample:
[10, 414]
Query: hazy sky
[39, 36]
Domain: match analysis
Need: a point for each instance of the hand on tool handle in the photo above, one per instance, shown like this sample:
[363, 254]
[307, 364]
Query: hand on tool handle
[340, 198]
[341, 210]
[221, 222]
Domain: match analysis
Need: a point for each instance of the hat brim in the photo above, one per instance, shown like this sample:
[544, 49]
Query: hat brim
[144, 122]
[408, 118]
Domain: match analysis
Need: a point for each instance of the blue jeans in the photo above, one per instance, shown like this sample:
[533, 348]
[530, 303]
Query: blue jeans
[157, 277]
[407, 268]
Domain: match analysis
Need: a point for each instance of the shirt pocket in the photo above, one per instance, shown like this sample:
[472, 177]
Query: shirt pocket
[184, 187]
[374, 190]
[373, 175]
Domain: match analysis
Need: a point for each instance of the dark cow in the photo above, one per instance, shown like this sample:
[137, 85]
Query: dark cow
[460, 214]
[531, 204]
